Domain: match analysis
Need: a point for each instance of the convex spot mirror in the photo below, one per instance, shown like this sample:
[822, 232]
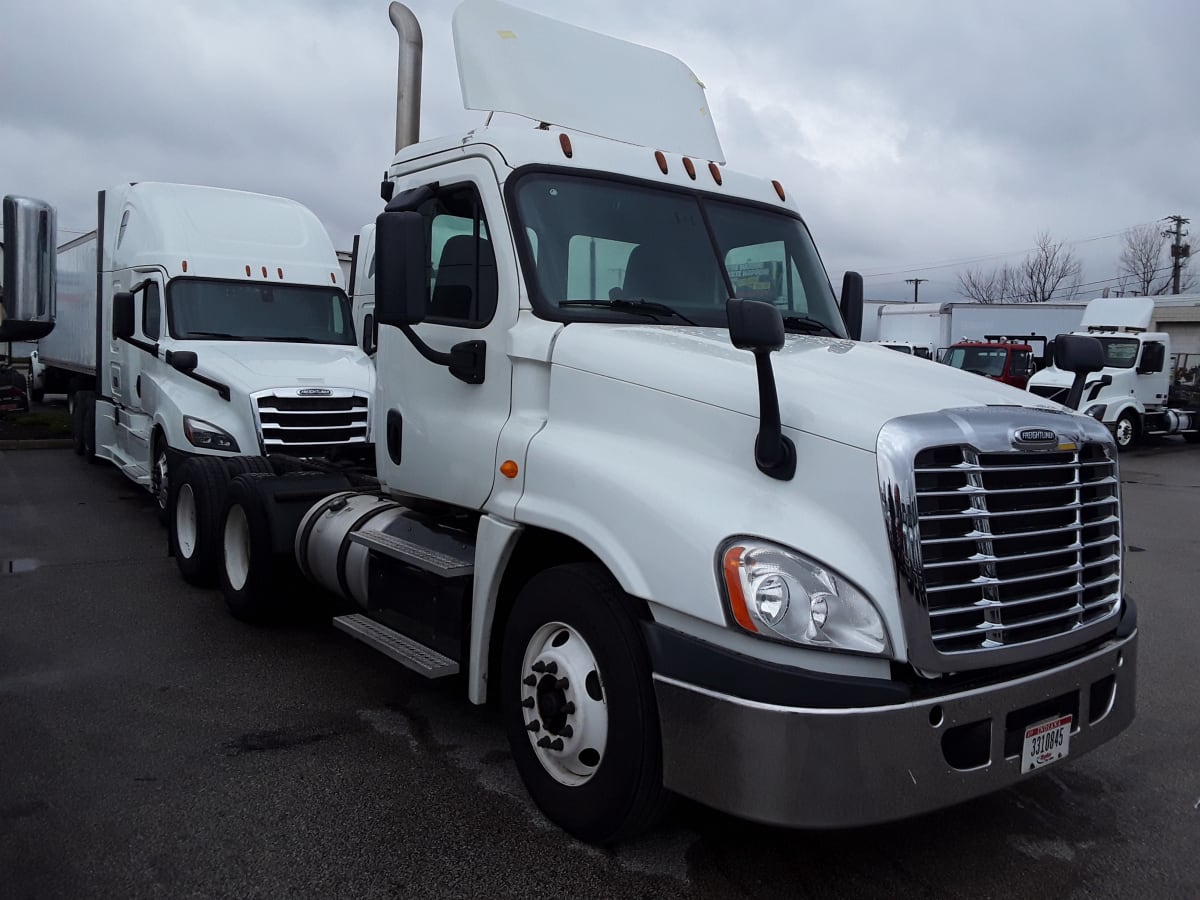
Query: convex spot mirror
[183, 360]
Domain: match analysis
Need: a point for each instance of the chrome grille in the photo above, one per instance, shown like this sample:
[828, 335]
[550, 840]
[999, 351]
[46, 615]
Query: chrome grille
[1004, 551]
[311, 424]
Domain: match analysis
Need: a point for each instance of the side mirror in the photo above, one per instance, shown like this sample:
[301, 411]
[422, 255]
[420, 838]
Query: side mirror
[401, 279]
[1153, 356]
[758, 327]
[27, 305]
[123, 320]
[852, 304]
[182, 360]
[368, 335]
[1080, 354]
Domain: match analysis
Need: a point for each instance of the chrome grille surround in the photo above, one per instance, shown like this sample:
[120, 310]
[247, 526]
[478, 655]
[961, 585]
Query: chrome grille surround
[302, 423]
[1003, 554]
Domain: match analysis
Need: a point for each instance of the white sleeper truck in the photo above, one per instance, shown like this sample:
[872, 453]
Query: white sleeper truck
[203, 321]
[639, 484]
[1150, 382]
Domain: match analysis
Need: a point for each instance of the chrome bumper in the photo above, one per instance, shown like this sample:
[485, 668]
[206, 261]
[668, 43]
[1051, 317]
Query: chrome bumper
[829, 768]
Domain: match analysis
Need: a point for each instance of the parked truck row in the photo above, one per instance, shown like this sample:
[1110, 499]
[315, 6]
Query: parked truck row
[635, 477]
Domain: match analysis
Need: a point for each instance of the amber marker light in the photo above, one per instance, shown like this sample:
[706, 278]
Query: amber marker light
[661, 159]
[280, 271]
[690, 168]
[185, 265]
[264, 271]
[247, 271]
[733, 584]
[715, 171]
[778, 189]
[333, 277]
[564, 141]
[509, 469]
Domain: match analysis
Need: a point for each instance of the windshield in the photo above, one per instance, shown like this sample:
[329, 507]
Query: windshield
[980, 360]
[1120, 353]
[598, 249]
[200, 309]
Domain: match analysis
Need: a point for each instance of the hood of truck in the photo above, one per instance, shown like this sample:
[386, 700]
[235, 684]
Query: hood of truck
[838, 389]
[260, 365]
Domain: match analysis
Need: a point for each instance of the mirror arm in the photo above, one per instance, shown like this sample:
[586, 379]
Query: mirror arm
[465, 360]
[222, 389]
[774, 452]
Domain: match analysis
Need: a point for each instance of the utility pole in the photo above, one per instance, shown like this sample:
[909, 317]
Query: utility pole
[917, 282]
[1179, 250]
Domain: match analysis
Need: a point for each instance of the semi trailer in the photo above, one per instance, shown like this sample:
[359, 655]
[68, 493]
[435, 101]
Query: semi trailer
[689, 541]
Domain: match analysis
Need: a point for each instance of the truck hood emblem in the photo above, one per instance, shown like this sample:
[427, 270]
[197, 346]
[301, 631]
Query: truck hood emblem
[1037, 437]
[314, 392]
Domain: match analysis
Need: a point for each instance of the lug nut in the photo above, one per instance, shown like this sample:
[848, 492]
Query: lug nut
[569, 707]
[567, 731]
[552, 668]
[544, 743]
[555, 744]
[528, 703]
[530, 680]
[539, 667]
[563, 684]
[535, 726]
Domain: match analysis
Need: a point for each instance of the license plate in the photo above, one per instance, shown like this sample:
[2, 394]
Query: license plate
[1046, 742]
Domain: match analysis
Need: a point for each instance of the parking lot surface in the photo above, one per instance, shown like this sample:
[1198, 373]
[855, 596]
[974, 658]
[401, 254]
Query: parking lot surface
[151, 745]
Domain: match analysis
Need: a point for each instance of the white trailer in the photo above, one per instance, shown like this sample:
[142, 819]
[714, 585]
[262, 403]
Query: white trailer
[689, 541]
[203, 321]
[1150, 383]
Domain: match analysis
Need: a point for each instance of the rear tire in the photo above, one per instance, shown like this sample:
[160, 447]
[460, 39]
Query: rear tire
[598, 772]
[1127, 431]
[252, 575]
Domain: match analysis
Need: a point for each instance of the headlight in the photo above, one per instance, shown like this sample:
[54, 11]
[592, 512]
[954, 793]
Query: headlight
[775, 592]
[208, 436]
[1096, 411]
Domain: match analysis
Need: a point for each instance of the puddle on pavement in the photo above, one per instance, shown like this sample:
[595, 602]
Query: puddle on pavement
[17, 566]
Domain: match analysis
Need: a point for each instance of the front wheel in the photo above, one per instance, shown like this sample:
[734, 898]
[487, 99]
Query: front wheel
[160, 481]
[1126, 431]
[579, 706]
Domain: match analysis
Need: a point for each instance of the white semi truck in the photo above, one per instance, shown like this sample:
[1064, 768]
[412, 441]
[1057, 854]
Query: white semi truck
[203, 321]
[1150, 383]
[690, 541]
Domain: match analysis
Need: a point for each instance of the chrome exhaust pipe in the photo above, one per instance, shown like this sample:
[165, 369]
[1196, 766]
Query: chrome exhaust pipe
[408, 75]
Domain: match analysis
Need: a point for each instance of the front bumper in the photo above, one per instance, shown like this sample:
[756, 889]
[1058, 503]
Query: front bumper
[821, 767]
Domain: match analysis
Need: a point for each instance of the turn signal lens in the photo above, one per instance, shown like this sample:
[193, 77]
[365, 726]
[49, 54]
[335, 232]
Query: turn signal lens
[509, 469]
[564, 141]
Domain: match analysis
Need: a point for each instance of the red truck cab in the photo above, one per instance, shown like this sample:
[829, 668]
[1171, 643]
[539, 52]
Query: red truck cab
[1002, 360]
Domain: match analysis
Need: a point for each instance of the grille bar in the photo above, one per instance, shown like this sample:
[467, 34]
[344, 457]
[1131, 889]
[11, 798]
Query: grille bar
[978, 535]
[1075, 611]
[969, 489]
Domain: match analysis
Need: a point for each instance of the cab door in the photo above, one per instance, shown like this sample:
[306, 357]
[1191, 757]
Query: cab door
[135, 370]
[438, 434]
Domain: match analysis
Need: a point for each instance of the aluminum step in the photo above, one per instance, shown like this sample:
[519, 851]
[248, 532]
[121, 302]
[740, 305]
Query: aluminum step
[414, 554]
[404, 650]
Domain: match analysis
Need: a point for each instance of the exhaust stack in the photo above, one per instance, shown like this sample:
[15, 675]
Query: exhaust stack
[408, 75]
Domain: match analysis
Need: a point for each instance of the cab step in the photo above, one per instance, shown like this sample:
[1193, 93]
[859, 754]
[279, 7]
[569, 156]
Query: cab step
[404, 650]
[435, 561]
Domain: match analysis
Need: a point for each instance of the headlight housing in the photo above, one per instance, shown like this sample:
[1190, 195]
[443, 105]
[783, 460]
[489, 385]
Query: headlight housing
[208, 436]
[777, 593]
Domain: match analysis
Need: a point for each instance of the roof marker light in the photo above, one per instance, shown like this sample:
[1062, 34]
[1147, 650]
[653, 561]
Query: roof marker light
[264, 271]
[778, 189]
[247, 270]
[333, 278]
[280, 271]
[185, 265]
[690, 168]
[661, 160]
[715, 171]
[564, 141]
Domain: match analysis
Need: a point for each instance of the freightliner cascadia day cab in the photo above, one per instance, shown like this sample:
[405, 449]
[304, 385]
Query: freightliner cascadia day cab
[1150, 383]
[639, 484]
[204, 321]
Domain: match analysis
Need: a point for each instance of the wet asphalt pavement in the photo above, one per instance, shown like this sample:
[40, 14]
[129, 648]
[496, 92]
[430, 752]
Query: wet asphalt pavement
[151, 745]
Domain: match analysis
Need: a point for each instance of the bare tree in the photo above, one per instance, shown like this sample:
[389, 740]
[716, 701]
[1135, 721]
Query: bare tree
[1049, 270]
[1144, 265]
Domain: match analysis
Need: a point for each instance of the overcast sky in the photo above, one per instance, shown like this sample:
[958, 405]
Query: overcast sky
[915, 135]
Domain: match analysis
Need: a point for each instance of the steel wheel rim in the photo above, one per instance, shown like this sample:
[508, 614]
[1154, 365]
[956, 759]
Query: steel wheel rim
[237, 547]
[563, 705]
[1124, 432]
[185, 521]
[159, 477]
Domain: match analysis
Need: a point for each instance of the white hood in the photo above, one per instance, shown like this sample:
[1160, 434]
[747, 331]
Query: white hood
[251, 366]
[837, 389]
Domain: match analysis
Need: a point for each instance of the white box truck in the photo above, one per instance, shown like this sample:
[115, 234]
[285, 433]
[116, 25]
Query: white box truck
[203, 321]
[940, 325]
[1150, 382]
[688, 541]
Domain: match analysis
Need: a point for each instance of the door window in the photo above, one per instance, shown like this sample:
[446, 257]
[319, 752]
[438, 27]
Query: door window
[151, 312]
[463, 283]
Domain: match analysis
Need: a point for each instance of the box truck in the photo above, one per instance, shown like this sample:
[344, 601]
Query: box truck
[203, 321]
[939, 325]
[690, 541]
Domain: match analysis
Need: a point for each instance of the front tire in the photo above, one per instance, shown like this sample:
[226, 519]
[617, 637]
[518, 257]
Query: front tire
[196, 515]
[160, 478]
[579, 706]
[252, 576]
[1126, 431]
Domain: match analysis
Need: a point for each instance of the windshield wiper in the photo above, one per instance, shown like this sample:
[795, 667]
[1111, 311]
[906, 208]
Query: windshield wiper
[213, 334]
[640, 307]
[807, 325]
